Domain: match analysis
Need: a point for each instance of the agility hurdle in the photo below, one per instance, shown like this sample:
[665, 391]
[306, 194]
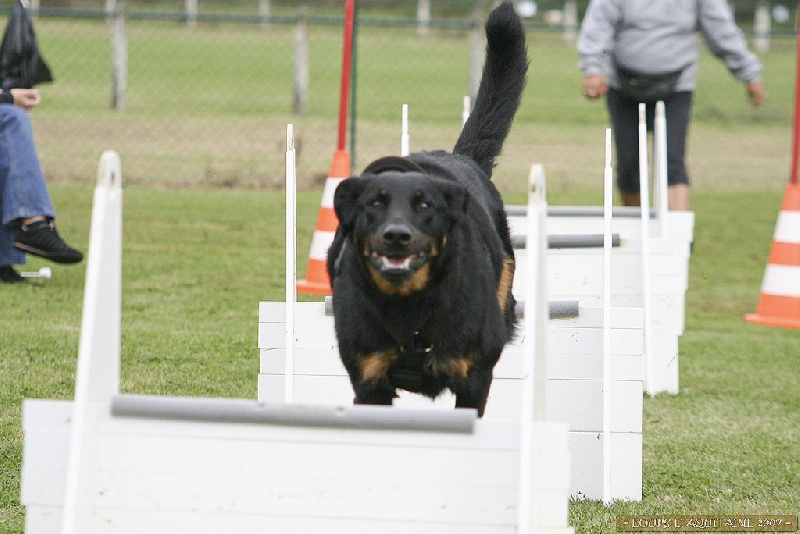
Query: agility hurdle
[579, 272]
[147, 464]
[657, 240]
[573, 392]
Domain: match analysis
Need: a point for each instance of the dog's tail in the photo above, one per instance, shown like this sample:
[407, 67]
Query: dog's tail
[501, 87]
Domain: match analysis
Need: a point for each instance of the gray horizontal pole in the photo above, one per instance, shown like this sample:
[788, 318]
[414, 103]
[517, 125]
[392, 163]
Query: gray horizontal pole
[555, 241]
[581, 211]
[359, 417]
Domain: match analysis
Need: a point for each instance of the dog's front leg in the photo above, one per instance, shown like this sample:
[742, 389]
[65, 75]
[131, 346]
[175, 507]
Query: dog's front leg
[469, 381]
[370, 377]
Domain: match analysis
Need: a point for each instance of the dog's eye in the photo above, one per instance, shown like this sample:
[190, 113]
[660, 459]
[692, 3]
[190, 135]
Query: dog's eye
[423, 205]
[378, 203]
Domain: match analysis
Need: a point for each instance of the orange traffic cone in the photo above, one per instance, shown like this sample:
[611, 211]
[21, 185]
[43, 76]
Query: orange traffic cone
[316, 281]
[779, 304]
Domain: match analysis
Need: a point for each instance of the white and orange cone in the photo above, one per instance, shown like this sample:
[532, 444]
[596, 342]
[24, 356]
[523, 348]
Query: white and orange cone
[316, 281]
[779, 304]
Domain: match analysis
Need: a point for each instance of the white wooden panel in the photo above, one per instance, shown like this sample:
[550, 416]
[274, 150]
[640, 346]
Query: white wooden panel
[46, 427]
[159, 522]
[589, 366]
[569, 341]
[668, 310]
[580, 404]
[586, 464]
[627, 260]
[43, 519]
[429, 499]
[665, 364]
[158, 476]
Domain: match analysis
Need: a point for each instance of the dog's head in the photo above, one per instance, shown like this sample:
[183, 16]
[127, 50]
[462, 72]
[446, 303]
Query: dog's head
[399, 217]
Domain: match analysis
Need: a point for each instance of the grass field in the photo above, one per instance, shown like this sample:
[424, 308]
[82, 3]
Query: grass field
[196, 263]
[200, 251]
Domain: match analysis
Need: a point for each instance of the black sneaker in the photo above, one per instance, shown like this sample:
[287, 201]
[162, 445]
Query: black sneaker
[41, 239]
[9, 276]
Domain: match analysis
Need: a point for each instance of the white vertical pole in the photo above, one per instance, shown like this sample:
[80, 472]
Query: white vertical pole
[291, 259]
[607, 244]
[467, 109]
[660, 191]
[404, 137]
[97, 377]
[645, 206]
[532, 383]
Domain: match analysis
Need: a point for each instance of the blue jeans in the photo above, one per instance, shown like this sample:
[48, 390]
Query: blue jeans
[23, 191]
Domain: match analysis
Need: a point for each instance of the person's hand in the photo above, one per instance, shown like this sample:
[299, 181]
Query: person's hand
[756, 94]
[594, 86]
[27, 99]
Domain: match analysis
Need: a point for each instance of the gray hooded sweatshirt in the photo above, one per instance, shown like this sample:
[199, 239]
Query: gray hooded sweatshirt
[660, 36]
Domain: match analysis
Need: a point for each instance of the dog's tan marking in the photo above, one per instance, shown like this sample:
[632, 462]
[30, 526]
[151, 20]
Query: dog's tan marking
[457, 367]
[506, 281]
[417, 282]
[375, 366]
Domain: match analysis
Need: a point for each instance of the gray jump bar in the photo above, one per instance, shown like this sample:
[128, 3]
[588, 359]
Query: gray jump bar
[358, 417]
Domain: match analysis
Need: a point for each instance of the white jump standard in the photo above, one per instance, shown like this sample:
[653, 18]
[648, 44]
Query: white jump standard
[145, 464]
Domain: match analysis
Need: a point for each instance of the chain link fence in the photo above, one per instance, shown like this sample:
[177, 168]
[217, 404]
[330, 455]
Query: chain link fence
[200, 95]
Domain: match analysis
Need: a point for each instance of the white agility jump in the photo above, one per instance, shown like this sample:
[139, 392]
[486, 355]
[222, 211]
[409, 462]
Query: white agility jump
[574, 389]
[108, 462]
[656, 241]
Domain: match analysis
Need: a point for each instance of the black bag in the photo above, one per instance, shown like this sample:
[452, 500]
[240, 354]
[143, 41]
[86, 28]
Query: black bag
[647, 87]
[21, 66]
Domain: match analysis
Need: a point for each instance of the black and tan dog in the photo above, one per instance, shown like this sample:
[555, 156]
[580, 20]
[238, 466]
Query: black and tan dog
[422, 263]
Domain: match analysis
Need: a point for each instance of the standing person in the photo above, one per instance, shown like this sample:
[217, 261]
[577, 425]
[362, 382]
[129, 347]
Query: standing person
[634, 51]
[26, 212]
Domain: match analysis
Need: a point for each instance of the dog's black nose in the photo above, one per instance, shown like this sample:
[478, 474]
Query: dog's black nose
[397, 235]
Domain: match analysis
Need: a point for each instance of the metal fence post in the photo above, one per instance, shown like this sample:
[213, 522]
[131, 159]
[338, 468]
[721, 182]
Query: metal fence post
[762, 26]
[264, 13]
[119, 56]
[191, 8]
[423, 17]
[476, 52]
[570, 20]
[301, 70]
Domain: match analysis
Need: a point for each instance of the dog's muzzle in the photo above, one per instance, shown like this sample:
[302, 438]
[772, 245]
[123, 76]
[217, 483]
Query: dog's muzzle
[397, 250]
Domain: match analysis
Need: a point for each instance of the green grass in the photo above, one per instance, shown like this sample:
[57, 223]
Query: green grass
[196, 264]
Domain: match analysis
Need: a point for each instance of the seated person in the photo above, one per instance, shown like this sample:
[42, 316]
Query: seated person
[26, 213]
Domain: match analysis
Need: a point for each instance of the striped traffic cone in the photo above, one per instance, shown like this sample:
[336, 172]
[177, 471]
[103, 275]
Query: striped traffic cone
[316, 281]
[779, 304]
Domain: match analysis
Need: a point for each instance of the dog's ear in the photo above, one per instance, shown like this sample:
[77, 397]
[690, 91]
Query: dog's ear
[345, 200]
[456, 196]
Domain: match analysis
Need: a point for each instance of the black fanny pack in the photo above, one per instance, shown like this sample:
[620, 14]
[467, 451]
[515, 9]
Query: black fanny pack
[647, 87]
